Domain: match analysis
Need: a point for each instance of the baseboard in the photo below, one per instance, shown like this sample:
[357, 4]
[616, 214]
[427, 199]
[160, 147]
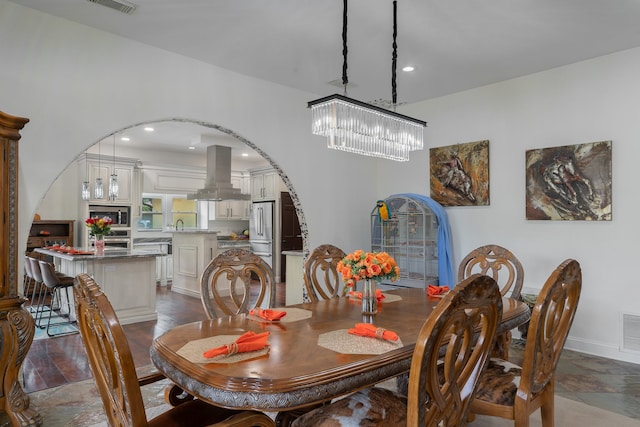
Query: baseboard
[598, 349]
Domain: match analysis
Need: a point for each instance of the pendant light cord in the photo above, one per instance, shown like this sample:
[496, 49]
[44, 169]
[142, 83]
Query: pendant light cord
[345, 79]
[394, 57]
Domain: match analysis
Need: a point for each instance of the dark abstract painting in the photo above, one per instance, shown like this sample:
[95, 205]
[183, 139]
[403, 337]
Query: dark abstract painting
[571, 182]
[459, 174]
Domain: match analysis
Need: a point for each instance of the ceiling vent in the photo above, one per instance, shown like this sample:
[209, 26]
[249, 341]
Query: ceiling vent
[119, 5]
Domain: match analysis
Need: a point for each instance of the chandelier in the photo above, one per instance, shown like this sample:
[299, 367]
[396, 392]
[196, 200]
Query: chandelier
[357, 127]
[98, 190]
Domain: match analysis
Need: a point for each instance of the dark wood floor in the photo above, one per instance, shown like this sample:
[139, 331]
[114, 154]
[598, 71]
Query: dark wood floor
[56, 361]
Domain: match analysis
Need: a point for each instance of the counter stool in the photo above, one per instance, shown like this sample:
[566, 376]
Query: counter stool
[55, 284]
[40, 293]
[29, 288]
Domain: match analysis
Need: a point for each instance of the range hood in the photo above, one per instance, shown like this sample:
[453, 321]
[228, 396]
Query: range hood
[218, 183]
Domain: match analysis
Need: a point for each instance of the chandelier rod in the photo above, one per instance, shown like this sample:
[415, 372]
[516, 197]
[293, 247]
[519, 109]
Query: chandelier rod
[345, 51]
[394, 91]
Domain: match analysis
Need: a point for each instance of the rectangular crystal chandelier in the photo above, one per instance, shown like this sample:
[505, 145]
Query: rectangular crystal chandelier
[365, 129]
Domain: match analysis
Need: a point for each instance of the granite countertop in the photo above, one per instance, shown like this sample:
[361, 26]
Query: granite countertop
[151, 240]
[108, 254]
[193, 231]
[293, 253]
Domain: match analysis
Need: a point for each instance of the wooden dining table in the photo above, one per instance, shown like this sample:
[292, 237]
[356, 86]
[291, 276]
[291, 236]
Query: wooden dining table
[302, 367]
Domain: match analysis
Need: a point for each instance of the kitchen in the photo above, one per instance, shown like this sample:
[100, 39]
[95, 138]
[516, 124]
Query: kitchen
[184, 189]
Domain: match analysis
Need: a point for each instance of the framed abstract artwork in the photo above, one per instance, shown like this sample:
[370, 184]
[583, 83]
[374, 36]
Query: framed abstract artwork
[459, 174]
[571, 182]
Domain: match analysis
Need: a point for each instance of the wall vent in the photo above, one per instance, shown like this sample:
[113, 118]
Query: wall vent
[119, 5]
[630, 332]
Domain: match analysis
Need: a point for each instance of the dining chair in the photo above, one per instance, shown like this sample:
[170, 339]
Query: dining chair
[236, 281]
[515, 392]
[113, 369]
[321, 278]
[450, 353]
[56, 285]
[505, 268]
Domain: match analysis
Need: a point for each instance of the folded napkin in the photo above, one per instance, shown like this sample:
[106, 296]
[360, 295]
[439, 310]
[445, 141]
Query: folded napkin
[433, 291]
[369, 330]
[379, 295]
[268, 314]
[249, 341]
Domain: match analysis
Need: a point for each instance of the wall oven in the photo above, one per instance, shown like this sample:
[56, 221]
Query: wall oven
[120, 215]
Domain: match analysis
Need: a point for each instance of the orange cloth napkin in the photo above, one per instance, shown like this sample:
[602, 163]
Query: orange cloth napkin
[433, 291]
[379, 295]
[268, 314]
[249, 341]
[369, 330]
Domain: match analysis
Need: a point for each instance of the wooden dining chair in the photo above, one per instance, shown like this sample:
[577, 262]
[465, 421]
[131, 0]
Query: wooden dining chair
[114, 372]
[450, 354]
[505, 268]
[321, 277]
[236, 281]
[513, 392]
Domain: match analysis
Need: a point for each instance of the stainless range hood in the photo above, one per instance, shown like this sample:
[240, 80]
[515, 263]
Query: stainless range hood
[218, 183]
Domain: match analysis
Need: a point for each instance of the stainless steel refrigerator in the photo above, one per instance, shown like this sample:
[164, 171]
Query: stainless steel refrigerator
[261, 230]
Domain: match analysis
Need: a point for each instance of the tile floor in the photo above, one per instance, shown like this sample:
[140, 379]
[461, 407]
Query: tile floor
[596, 381]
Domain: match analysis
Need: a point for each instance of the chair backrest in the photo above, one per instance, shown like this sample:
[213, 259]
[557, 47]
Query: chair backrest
[497, 262]
[321, 277]
[551, 319]
[228, 286]
[35, 269]
[109, 355]
[27, 268]
[48, 272]
[451, 351]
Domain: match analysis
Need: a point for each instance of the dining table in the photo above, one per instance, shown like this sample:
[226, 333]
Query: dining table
[311, 358]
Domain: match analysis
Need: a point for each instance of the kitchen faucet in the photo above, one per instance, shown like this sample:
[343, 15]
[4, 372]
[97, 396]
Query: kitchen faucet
[181, 222]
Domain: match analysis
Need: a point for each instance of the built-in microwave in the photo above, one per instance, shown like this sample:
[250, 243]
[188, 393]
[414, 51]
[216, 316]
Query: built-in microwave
[120, 215]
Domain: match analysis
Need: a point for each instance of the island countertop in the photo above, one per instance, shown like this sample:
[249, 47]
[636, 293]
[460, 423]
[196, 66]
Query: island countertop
[109, 254]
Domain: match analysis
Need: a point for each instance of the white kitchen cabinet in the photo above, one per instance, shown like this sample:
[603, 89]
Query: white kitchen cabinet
[233, 209]
[103, 168]
[264, 184]
[192, 251]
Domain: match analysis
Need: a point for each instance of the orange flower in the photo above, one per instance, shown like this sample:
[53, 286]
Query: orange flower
[360, 265]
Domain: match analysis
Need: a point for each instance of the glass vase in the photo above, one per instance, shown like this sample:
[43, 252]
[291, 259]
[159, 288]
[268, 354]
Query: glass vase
[369, 297]
[98, 243]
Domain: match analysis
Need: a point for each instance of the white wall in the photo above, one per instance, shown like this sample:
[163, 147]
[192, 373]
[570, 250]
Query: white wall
[596, 100]
[78, 85]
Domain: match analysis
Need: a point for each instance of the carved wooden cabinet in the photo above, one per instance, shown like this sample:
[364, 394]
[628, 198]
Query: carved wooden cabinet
[16, 324]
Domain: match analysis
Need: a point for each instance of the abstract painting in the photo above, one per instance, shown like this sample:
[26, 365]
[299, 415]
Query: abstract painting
[459, 174]
[571, 182]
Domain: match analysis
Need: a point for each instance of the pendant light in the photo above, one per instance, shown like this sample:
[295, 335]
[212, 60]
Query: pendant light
[98, 190]
[86, 187]
[113, 179]
[365, 129]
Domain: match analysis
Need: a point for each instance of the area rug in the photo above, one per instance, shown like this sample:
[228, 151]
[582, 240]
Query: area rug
[59, 326]
[79, 405]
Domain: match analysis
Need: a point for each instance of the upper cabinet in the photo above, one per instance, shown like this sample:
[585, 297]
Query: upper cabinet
[234, 209]
[103, 168]
[264, 184]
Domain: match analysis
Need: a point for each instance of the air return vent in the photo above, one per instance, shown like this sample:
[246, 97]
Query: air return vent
[119, 5]
[630, 332]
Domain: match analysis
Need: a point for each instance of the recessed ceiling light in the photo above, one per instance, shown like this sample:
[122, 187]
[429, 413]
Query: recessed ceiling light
[148, 129]
[192, 147]
[408, 68]
[125, 138]
[245, 155]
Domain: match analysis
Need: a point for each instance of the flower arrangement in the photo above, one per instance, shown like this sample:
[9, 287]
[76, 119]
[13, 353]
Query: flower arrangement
[99, 226]
[361, 265]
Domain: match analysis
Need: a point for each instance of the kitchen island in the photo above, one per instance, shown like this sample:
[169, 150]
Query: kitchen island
[127, 277]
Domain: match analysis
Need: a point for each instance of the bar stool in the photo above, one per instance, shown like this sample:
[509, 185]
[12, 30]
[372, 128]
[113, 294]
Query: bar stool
[29, 285]
[40, 289]
[55, 284]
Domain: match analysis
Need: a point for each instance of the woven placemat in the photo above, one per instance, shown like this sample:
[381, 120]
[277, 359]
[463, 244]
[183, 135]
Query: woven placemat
[341, 341]
[293, 315]
[193, 350]
[387, 298]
